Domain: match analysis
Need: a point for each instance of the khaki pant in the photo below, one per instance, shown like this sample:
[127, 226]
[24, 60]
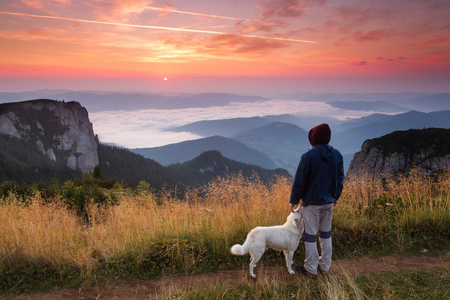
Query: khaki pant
[317, 219]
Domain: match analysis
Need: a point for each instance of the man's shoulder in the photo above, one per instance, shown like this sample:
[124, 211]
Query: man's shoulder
[337, 152]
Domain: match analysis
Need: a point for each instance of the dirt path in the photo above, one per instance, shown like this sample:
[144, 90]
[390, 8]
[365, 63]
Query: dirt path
[150, 288]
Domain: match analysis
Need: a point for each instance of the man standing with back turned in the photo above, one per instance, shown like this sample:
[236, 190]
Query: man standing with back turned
[318, 182]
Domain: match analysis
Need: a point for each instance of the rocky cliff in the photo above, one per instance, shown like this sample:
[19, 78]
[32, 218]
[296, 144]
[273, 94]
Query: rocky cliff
[398, 152]
[60, 130]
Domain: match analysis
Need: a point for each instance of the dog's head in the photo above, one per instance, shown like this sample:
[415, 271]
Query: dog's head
[296, 218]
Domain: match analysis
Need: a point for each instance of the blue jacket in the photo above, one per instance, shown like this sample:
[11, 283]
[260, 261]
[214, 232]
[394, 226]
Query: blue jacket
[319, 178]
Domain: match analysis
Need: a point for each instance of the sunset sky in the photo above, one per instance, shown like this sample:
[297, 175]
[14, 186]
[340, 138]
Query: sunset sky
[230, 45]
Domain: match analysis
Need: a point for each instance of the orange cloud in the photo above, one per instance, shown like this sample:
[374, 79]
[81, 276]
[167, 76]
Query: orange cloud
[40, 4]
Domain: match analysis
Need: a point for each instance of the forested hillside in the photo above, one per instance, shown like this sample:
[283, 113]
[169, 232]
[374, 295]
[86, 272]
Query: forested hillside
[25, 163]
[130, 168]
[212, 164]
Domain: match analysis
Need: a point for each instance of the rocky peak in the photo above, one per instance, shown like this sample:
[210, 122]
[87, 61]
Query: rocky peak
[60, 130]
[398, 152]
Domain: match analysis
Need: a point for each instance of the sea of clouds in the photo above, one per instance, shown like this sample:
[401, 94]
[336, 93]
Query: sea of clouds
[148, 127]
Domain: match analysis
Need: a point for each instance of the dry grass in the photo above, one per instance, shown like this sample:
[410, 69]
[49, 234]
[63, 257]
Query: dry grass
[41, 233]
[216, 215]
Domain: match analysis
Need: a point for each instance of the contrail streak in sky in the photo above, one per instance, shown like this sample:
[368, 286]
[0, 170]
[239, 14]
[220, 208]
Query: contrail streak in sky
[170, 10]
[155, 27]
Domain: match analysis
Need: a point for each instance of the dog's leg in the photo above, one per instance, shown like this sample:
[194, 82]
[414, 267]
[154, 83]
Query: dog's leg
[255, 257]
[289, 256]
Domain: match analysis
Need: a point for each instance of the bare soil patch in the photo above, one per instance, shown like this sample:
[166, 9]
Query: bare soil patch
[145, 289]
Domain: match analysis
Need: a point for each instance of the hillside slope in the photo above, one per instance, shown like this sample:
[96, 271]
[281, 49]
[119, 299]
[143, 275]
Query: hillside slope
[212, 164]
[282, 142]
[184, 151]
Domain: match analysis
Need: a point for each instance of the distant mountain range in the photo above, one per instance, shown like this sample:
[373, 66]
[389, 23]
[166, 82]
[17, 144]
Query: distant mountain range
[380, 106]
[381, 102]
[351, 139]
[283, 143]
[105, 101]
[231, 127]
[428, 103]
[96, 101]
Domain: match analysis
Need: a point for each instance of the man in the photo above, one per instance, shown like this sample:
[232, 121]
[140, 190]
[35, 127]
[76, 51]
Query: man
[318, 182]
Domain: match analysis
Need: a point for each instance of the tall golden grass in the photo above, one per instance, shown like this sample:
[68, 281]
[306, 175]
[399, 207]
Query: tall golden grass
[214, 216]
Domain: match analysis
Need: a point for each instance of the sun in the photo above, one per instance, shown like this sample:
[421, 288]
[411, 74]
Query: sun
[165, 79]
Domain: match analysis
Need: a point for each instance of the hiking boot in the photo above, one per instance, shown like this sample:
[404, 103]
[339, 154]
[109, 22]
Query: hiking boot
[301, 269]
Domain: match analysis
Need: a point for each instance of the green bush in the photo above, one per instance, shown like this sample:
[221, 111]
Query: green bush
[78, 197]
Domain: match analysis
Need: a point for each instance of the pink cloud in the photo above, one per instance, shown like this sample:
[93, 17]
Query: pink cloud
[120, 10]
[400, 58]
[273, 9]
[373, 35]
[433, 59]
[225, 44]
[442, 40]
[256, 26]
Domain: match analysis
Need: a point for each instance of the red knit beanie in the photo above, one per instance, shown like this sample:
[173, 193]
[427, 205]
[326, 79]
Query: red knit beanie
[321, 134]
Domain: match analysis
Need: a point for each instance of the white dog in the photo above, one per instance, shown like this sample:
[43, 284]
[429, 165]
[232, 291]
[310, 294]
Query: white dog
[283, 238]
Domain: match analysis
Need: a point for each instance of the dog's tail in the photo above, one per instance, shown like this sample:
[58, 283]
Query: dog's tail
[238, 250]
[242, 249]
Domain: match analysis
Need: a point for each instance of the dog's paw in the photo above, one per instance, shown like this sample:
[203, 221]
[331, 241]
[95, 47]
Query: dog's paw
[291, 272]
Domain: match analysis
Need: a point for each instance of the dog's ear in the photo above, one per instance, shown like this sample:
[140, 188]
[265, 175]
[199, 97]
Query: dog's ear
[297, 222]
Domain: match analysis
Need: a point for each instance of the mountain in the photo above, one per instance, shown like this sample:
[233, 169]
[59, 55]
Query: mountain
[231, 127]
[61, 131]
[23, 162]
[428, 103]
[103, 101]
[224, 127]
[184, 151]
[130, 168]
[47, 139]
[351, 97]
[212, 164]
[356, 132]
[380, 106]
[282, 142]
[399, 151]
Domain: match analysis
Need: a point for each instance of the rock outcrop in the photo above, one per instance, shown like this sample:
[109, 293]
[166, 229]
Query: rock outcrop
[398, 152]
[60, 130]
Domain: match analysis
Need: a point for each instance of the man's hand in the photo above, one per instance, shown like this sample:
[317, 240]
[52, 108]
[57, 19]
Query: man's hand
[292, 207]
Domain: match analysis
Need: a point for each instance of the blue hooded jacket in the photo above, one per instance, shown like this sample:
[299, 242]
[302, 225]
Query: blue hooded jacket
[319, 178]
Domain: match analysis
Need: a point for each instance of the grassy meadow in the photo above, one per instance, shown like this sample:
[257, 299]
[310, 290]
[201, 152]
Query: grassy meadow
[44, 244]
